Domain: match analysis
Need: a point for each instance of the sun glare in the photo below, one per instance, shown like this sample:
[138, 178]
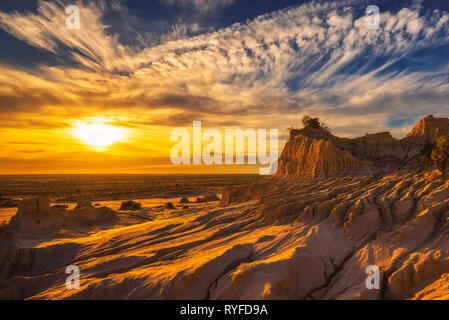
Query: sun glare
[99, 134]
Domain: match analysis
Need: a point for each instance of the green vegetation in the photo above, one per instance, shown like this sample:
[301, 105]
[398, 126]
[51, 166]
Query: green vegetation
[130, 206]
[427, 150]
[315, 123]
[310, 122]
[440, 154]
[169, 205]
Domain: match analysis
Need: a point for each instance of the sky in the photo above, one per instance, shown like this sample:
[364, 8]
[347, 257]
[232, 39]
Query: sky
[151, 67]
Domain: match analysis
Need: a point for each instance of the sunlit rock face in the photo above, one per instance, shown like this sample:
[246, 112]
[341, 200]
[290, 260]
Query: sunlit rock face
[314, 158]
[311, 153]
[34, 205]
[430, 128]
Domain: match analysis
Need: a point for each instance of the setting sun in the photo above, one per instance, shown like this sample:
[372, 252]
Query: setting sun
[99, 134]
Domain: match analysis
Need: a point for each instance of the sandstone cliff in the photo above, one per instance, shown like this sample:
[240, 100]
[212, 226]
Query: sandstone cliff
[310, 153]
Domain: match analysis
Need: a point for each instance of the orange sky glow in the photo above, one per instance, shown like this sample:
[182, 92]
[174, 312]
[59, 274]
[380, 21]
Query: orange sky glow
[108, 102]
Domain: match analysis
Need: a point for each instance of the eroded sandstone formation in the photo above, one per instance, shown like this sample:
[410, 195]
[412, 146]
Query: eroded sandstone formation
[312, 153]
[308, 233]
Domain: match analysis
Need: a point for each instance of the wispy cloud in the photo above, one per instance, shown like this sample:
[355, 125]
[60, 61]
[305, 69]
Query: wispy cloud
[91, 46]
[316, 58]
[201, 5]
